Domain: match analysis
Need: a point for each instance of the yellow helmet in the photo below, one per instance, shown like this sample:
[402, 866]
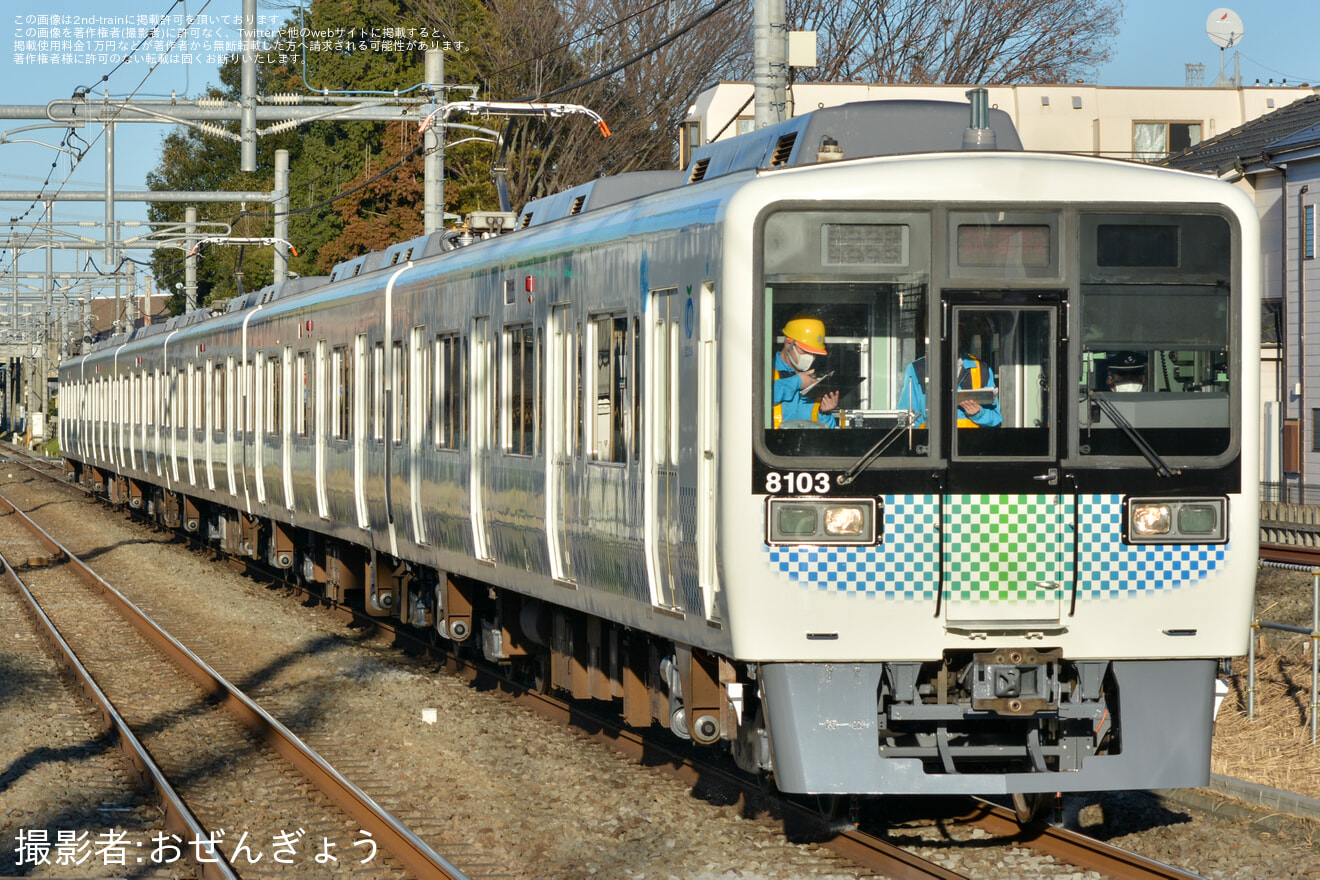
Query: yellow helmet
[808, 333]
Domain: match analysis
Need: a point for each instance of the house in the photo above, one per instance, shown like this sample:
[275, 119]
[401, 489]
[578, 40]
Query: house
[1276, 158]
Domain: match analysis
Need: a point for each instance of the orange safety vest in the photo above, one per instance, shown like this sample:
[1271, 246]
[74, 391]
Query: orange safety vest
[974, 373]
[778, 410]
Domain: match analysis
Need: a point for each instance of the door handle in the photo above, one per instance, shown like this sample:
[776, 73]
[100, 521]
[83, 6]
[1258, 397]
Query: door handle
[1051, 476]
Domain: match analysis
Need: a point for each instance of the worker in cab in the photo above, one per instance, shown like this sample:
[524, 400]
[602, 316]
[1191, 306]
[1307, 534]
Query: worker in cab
[973, 375]
[795, 403]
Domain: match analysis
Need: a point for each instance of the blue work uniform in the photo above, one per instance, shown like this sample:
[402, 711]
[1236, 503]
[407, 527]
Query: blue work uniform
[972, 374]
[790, 404]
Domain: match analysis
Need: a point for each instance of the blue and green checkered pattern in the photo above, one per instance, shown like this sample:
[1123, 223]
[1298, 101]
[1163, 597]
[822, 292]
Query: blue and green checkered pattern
[998, 549]
[1110, 569]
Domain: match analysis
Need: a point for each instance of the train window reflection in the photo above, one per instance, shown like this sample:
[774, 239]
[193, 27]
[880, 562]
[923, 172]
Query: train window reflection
[853, 380]
[1156, 361]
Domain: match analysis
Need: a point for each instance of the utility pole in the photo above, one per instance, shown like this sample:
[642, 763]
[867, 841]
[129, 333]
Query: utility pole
[281, 216]
[433, 151]
[248, 88]
[770, 75]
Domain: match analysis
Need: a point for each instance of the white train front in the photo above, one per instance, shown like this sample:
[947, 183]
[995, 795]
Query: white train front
[561, 443]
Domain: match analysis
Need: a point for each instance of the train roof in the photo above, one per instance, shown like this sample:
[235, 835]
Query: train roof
[859, 130]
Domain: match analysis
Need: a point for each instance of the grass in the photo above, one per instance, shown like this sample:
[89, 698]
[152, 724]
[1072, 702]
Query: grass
[1275, 748]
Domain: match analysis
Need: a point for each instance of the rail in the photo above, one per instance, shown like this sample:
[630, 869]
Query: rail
[1313, 633]
[405, 846]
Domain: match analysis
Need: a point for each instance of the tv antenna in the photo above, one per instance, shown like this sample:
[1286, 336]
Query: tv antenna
[1225, 30]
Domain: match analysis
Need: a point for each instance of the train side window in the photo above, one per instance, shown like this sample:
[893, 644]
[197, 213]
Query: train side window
[522, 389]
[302, 377]
[450, 391]
[172, 399]
[636, 389]
[199, 398]
[230, 404]
[579, 391]
[274, 393]
[248, 382]
[419, 391]
[378, 392]
[398, 392]
[609, 340]
[217, 397]
[361, 386]
[343, 383]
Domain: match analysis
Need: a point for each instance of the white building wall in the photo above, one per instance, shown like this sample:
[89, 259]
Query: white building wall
[1094, 120]
[1304, 276]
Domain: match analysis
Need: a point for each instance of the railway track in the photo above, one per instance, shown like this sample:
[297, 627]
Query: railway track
[887, 853]
[219, 775]
[1290, 554]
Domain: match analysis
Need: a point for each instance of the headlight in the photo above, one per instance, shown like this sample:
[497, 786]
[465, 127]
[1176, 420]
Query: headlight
[845, 521]
[797, 521]
[1151, 519]
[821, 521]
[1177, 520]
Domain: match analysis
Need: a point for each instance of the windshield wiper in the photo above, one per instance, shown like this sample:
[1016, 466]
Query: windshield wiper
[880, 446]
[1161, 466]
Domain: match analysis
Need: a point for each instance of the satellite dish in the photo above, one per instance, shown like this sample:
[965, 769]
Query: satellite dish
[1224, 28]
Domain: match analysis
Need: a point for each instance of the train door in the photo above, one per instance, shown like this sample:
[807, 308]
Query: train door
[708, 440]
[562, 403]
[665, 413]
[1008, 512]
[482, 430]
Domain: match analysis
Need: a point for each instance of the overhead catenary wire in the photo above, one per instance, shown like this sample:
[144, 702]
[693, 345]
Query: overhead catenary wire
[16, 251]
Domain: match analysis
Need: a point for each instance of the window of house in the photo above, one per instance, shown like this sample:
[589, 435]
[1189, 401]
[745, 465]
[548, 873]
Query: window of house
[1152, 141]
[1308, 232]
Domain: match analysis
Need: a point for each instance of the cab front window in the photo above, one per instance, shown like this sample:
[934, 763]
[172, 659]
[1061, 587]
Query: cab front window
[1156, 355]
[843, 313]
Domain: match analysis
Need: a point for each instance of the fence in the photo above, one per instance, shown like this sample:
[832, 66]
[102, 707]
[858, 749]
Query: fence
[1313, 632]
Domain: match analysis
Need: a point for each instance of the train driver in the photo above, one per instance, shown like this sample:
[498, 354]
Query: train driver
[1126, 371]
[804, 341]
[972, 375]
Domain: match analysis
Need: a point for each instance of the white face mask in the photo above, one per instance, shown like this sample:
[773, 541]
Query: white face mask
[1127, 386]
[803, 361]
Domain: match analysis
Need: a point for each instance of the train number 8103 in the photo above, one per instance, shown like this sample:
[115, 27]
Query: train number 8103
[797, 483]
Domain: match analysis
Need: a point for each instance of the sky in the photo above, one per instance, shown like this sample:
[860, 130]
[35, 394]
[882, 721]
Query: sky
[1156, 39]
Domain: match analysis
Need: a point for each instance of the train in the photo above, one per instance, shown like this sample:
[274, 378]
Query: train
[704, 444]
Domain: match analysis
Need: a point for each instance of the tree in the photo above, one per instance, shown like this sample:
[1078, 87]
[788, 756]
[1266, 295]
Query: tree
[556, 51]
[956, 41]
